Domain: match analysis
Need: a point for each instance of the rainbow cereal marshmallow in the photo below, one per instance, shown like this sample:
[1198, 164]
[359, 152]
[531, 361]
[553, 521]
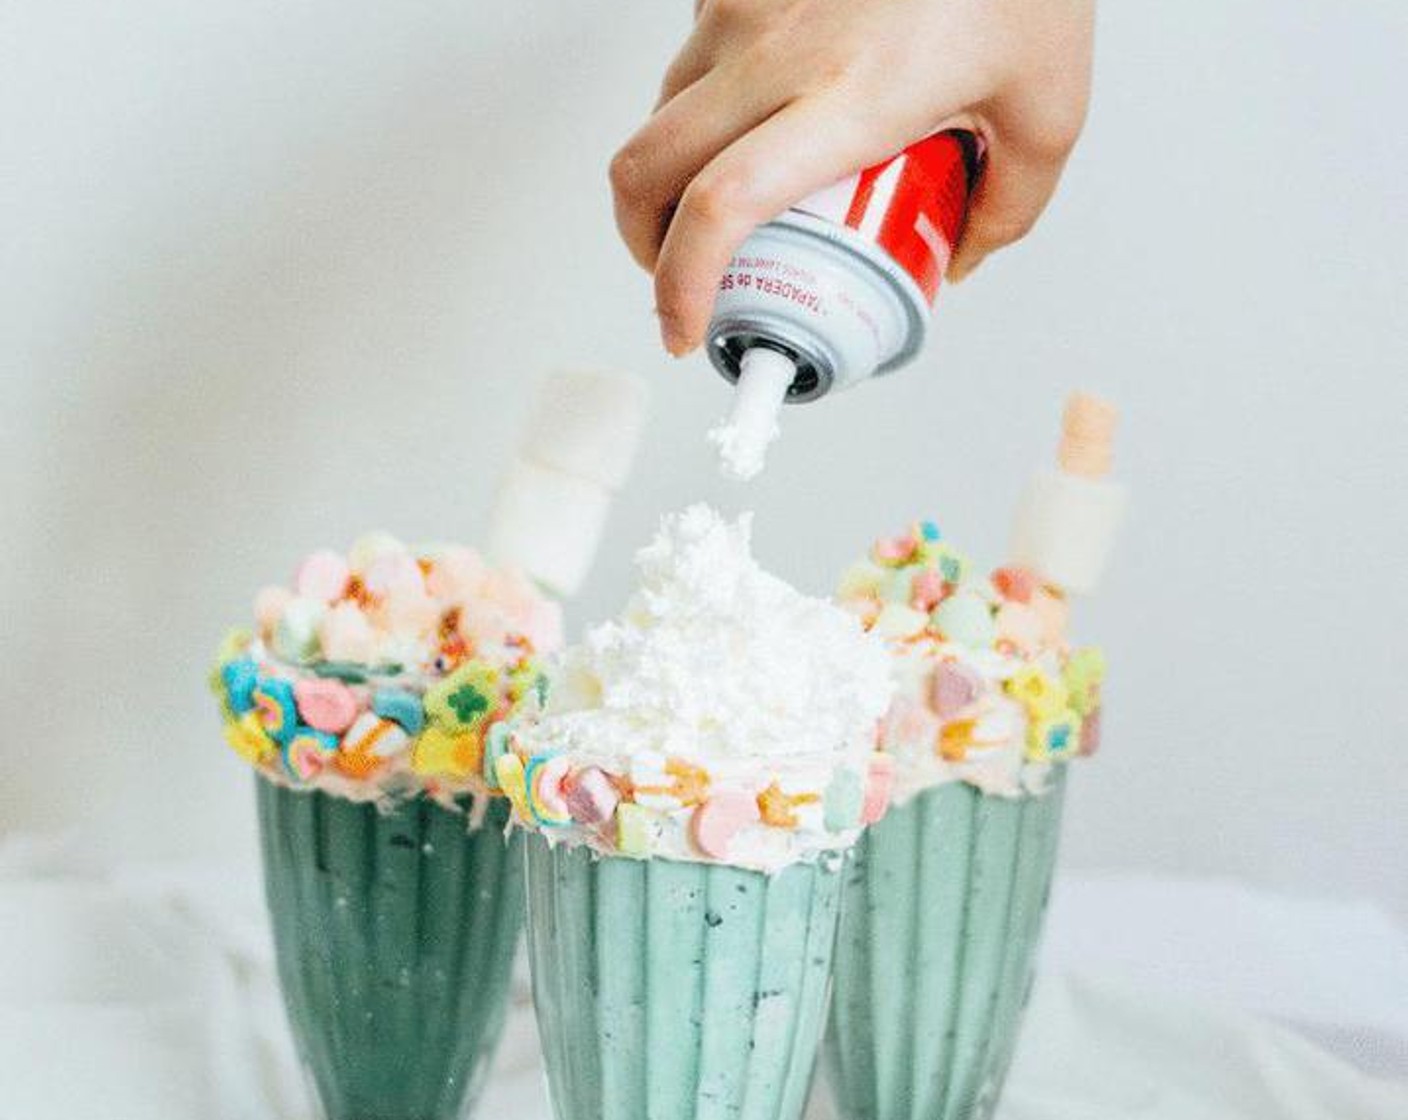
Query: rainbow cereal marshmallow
[386, 672]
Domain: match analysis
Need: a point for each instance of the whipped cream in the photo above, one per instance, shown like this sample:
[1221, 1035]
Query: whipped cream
[725, 716]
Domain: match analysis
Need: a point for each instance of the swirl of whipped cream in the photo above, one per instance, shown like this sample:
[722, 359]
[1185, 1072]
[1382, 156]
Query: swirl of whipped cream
[384, 673]
[724, 717]
[988, 691]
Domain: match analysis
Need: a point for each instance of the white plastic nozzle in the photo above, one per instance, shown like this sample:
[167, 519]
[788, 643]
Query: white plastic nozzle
[764, 377]
[576, 451]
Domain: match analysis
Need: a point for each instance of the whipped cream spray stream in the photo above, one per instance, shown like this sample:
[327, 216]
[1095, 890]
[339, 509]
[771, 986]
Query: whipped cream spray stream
[836, 290]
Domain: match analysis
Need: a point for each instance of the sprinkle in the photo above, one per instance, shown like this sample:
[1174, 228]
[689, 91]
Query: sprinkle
[717, 821]
[402, 707]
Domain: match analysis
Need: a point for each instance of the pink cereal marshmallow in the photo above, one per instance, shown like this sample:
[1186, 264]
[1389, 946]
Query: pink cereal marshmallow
[877, 788]
[325, 705]
[720, 819]
[591, 797]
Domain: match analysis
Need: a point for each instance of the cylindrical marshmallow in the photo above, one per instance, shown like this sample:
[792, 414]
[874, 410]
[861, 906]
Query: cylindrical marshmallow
[548, 523]
[586, 425]
[1066, 526]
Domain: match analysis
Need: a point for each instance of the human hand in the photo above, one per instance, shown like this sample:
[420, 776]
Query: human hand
[770, 100]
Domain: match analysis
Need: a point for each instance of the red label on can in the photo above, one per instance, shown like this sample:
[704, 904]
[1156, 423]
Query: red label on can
[911, 206]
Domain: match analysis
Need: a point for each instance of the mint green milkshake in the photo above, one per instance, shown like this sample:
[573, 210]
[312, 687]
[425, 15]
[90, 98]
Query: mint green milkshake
[692, 792]
[945, 896]
[369, 698]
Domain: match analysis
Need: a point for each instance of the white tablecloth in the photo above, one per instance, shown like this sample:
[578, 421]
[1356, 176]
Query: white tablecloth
[145, 993]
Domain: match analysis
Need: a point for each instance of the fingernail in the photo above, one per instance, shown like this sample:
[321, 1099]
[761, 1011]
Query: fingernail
[673, 336]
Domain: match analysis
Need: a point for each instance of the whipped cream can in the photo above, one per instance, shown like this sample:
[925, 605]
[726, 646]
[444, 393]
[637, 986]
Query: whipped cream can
[844, 281]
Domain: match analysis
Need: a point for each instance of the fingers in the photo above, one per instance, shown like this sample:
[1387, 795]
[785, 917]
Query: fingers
[650, 173]
[1011, 194]
[803, 147]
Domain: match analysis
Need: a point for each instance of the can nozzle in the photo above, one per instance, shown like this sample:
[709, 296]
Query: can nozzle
[764, 377]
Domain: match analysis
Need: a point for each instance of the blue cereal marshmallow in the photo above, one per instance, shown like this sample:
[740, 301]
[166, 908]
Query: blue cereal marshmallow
[400, 707]
[239, 677]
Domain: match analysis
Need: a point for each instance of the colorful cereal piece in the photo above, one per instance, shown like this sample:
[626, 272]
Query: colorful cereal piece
[345, 635]
[897, 621]
[510, 778]
[895, 551]
[862, 580]
[1083, 675]
[633, 830]
[322, 577]
[1020, 627]
[1053, 738]
[465, 699]
[366, 548]
[248, 739]
[966, 619]
[927, 590]
[269, 606]
[374, 736]
[954, 688]
[441, 753]
[325, 705]
[296, 636]
[1016, 584]
[273, 699]
[401, 706]
[880, 781]
[496, 745]
[239, 678]
[844, 799]
[1042, 696]
[716, 822]
[547, 798]
[778, 808]
[307, 753]
[1090, 730]
[955, 739]
[592, 797]
[928, 531]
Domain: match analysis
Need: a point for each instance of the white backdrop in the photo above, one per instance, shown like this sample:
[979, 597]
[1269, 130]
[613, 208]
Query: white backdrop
[274, 273]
